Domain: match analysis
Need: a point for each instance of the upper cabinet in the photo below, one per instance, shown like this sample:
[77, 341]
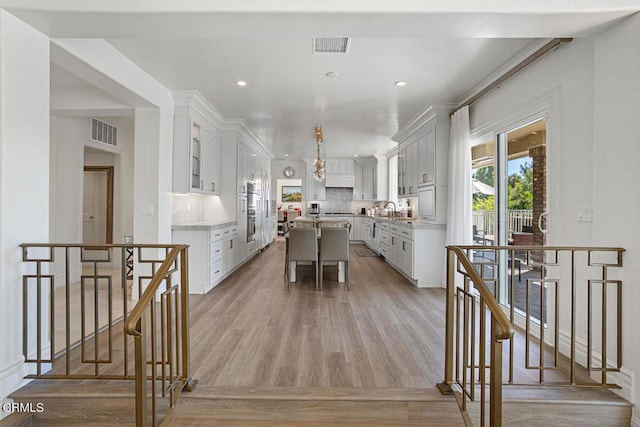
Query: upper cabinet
[197, 145]
[340, 167]
[340, 173]
[423, 150]
[427, 158]
[316, 190]
[366, 179]
[245, 159]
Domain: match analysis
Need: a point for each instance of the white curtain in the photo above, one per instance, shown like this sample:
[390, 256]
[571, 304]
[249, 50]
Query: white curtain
[459, 218]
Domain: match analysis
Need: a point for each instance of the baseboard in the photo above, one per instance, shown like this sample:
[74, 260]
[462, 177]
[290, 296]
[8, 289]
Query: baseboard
[625, 378]
[11, 379]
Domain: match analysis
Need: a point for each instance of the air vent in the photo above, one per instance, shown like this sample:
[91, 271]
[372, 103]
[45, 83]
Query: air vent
[331, 44]
[104, 132]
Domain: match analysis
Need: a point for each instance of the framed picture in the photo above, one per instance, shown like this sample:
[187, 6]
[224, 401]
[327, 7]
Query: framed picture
[291, 194]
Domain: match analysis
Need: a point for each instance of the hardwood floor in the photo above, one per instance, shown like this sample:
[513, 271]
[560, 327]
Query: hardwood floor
[252, 331]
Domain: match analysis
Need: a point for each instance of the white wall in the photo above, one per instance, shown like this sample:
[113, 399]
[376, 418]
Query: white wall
[69, 137]
[100, 64]
[593, 86]
[24, 177]
[616, 150]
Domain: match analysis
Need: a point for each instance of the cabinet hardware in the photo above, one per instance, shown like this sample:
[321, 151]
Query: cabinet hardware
[202, 184]
[424, 177]
[213, 186]
[403, 246]
[231, 244]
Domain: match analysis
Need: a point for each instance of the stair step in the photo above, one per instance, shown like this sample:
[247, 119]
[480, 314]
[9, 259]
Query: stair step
[83, 402]
[17, 420]
[560, 406]
[314, 406]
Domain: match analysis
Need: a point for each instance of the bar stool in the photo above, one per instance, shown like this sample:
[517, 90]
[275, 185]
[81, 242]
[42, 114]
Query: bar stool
[334, 246]
[303, 246]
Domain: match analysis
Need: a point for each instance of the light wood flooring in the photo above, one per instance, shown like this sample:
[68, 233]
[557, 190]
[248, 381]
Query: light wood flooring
[252, 331]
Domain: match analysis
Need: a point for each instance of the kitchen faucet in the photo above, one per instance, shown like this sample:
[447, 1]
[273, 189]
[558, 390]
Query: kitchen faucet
[394, 207]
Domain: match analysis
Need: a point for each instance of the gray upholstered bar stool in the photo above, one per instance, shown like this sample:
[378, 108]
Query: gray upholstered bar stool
[334, 246]
[303, 246]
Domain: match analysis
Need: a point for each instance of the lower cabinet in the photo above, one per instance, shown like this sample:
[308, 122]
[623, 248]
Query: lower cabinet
[212, 254]
[418, 253]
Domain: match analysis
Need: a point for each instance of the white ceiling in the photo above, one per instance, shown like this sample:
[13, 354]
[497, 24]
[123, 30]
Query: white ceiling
[443, 50]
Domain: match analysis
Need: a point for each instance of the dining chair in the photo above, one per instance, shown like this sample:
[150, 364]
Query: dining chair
[303, 246]
[334, 246]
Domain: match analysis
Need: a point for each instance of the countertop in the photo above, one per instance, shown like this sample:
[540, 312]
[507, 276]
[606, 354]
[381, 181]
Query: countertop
[203, 226]
[414, 223]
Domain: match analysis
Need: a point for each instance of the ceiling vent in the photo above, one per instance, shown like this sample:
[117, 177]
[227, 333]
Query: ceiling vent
[331, 44]
[103, 132]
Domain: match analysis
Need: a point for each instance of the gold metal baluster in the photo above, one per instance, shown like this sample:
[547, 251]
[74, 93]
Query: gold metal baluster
[154, 354]
[123, 278]
[39, 316]
[96, 321]
[572, 367]
[604, 325]
[67, 310]
[163, 338]
[184, 313]
[482, 362]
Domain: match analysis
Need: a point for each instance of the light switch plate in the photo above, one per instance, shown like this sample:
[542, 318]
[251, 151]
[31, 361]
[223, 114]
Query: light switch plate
[585, 213]
[146, 209]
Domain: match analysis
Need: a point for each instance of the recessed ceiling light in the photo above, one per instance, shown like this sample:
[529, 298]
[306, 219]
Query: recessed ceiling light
[534, 133]
[253, 154]
[355, 155]
[400, 83]
[286, 155]
[332, 75]
[241, 83]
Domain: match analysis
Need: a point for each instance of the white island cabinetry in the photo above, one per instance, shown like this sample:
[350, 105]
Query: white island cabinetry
[415, 248]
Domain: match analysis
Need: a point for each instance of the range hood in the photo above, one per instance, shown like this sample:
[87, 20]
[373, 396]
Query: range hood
[340, 181]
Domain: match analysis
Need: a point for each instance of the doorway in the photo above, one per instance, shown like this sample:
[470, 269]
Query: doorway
[97, 205]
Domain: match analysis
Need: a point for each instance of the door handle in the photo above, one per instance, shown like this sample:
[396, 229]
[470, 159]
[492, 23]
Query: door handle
[542, 215]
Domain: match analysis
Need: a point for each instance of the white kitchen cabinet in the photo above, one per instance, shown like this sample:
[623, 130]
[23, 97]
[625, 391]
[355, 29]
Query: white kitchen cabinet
[366, 182]
[429, 134]
[242, 171]
[211, 254]
[357, 232]
[427, 158]
[316, 190]
[369, 182]
[402, 248]
[412, 169]
[346, 166]
[196, 145]
[332, 166]
[339, 167]
[358, 191]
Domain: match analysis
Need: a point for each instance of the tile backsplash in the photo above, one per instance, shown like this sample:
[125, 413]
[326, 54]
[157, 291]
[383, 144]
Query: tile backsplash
[341, 200]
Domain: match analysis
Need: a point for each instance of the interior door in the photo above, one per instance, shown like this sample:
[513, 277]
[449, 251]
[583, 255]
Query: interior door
[97, 205]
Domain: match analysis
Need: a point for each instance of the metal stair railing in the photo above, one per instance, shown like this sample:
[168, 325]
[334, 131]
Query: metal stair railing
[566, 301]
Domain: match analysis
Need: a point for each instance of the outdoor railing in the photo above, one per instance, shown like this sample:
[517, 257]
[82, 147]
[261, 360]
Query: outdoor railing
[484, 220]
[565, 311]
[110, 312]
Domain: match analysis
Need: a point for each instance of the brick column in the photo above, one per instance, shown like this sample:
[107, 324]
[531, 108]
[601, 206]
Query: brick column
[539, 156]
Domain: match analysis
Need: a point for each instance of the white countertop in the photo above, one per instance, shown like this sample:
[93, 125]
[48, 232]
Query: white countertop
[203, 225]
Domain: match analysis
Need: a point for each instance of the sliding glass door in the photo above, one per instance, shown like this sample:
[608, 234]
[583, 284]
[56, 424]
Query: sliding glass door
[509, 207]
